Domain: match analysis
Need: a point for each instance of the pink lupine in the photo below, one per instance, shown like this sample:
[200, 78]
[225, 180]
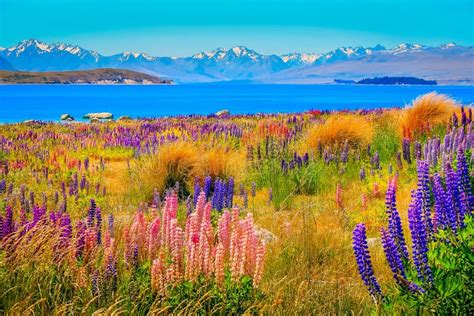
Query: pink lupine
[219, 263]
[259, 265]
[154, 237]
[224, 231]
[158, 283]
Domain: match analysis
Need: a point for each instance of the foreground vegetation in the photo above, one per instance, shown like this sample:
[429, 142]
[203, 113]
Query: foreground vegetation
[240, 214]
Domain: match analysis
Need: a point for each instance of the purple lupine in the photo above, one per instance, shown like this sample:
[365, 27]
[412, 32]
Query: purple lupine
[241, 189]
[364, 263]
[91, 214]
[391, 253]
[375, 160]
[98, 216]
[8, 224]
[38, 214]
[111, 225]
[454, 197]
[465, 179]
[419, 238]
[3, 186]
[83, 182]
[417, 150]
[362, 174]
[246, 199]
[394, 222]
[86, 163]
[425, 195]
[455, 120]
[253, 189]
[207, 186]
[406, 150]
[197, 192]
[135, 256]
[399, 160]
[189, 206]
[270, 195]
[1, 228]
[156, 198]
[80, 238]
[110, 274]
[230, 193]
[444, 216]
[66, 228]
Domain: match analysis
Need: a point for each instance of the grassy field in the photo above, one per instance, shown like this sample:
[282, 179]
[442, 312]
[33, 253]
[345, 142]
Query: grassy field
[160, 235]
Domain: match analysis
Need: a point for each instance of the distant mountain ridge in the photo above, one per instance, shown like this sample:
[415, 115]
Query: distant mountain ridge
[95, 76]
[448, 63]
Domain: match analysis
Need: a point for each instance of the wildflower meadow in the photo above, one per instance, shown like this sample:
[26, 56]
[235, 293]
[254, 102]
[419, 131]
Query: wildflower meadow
[321, 212]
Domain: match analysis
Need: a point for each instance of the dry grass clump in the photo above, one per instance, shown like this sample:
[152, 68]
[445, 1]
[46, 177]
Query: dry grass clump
[356, 130]
[222, 163]
[174, 163]
[426, 112]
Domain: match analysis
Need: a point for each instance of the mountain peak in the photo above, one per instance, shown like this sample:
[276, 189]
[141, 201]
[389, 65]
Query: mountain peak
[448, 45]
[407, 47]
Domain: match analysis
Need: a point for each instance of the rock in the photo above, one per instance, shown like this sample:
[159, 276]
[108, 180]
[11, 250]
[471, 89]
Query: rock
[373, 241]
[266, 235]
[67, 117]
[125, 118]
[99, 116]
[223, 113]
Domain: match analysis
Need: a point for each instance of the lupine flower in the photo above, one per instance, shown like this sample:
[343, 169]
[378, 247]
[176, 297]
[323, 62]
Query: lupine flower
[111, 225]
[98, 216]
[465, 179]
[254, 189]
[80, 238]
[91, 214]
[362, 174]
[394, 222]
[364, 263]
[392, 254]
[425, 195]
[419, 238]
[406, 150]
[207, 186]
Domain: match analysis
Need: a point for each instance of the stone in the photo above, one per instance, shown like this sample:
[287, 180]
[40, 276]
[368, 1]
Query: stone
[99, 116]
[67, 117]
[266, 235]
[223, 113]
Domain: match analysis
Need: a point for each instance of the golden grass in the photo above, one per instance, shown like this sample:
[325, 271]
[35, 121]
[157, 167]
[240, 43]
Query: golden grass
[222, 163]
[337, 129]
[177, 162]
[426, 112]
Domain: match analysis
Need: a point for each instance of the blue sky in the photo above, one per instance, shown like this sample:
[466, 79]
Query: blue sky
[183, 27]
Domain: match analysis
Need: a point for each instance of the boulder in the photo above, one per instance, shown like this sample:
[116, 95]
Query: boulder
[99, 116]
[266, 235]
[67, 117]
[223, 113]
[125, 118]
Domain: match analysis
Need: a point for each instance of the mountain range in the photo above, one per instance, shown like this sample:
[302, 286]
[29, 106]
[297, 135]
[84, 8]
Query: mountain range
[448, 64]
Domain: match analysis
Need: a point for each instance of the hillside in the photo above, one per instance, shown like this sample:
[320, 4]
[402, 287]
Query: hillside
[95, 76]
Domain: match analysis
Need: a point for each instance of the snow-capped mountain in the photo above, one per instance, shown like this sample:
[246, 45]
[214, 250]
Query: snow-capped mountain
[446, 63]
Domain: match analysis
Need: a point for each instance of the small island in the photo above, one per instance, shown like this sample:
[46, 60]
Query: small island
[94, 76]
[389, 81]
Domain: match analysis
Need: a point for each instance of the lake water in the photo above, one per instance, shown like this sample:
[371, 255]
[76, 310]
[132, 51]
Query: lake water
[48, 102]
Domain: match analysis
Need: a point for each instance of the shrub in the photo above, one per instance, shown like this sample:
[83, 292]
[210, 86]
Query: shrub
[223, 164]
[338, 129]
[174, 163]
[426, 112]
